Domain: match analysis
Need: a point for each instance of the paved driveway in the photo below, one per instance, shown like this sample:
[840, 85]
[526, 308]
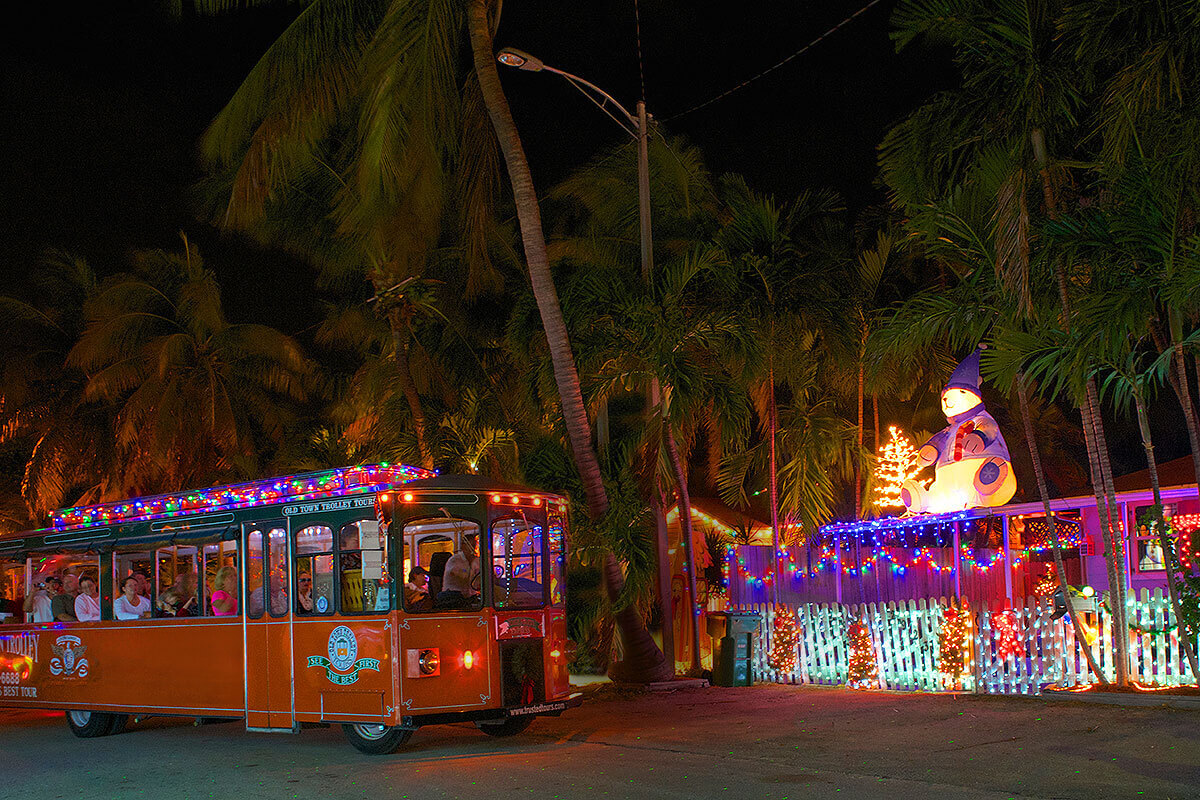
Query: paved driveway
[761, 742]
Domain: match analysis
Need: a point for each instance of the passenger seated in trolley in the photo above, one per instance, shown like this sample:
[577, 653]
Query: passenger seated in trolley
[130, 604]
[304, 593]
[460, 582]
[416, 591]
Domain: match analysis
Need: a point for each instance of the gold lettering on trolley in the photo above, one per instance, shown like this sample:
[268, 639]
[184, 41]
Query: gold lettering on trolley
[20, 644]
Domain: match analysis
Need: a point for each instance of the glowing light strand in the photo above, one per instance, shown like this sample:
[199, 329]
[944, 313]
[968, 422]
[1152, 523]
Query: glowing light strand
[308, 486]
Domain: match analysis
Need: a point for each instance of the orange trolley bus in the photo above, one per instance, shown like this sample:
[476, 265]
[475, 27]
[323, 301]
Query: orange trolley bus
[379, 597]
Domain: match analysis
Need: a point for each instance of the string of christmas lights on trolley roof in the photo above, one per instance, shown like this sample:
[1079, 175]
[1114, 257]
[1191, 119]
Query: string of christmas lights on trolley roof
[307, 486]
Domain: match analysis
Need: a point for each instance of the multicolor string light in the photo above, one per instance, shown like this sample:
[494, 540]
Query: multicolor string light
[294, 488]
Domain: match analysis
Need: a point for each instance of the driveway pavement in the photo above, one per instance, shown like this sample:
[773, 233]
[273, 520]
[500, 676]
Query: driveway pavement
[761, 742]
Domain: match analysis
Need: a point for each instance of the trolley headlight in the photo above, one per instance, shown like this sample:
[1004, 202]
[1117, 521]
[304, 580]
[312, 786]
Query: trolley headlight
[422, 663]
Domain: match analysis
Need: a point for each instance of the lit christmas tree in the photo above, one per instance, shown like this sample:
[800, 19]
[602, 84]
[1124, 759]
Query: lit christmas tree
[864, 673]
[953, 657]
[784, 640]
[895, 466]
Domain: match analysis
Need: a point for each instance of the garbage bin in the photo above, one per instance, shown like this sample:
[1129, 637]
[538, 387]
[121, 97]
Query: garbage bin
[734, 632]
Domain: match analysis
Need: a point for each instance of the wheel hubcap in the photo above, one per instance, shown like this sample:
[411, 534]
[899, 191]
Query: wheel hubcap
[371, 731]
[80, 718]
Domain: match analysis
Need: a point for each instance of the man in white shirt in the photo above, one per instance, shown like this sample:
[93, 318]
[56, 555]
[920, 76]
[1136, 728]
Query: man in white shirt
[460, 583]
[38, 603]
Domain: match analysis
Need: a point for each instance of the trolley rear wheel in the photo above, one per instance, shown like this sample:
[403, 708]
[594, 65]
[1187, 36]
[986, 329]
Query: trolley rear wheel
[509, 727]
[90, 724]
[377, 740]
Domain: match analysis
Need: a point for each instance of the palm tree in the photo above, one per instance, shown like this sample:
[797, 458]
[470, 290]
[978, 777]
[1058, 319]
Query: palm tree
[693, 350]
[42, 400]
[644, 659]
[1017, 115]
[364, 107]
[787, 260]
[196, 397]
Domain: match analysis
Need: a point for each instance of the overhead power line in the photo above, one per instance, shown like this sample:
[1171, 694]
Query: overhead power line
[787, 60]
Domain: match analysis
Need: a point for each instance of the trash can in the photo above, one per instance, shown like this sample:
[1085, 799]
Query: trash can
[734, 632]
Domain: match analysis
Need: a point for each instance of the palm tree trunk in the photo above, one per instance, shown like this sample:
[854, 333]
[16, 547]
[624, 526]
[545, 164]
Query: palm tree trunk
[1043, 490]
[400, 352]
[1184, 391]
[685, 525]
[1113, 560]
[875, 413]
[1116, 527]
[773, 478]
[642, 660]
[1185, 636]
[1092, 420]
[858, 462]
[662, 551]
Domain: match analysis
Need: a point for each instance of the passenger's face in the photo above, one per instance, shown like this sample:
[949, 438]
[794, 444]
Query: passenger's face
[71, 584]
[131, 587]
[88, 587]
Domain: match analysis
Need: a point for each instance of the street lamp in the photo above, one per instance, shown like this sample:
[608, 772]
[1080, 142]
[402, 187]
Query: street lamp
[636, 125]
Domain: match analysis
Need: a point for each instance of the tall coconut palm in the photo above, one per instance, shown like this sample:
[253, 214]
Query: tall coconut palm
[1018, 109]
[366, 107]
[643, 658]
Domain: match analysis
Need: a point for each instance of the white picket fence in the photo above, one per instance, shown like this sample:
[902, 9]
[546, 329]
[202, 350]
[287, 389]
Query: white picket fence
[905, 636]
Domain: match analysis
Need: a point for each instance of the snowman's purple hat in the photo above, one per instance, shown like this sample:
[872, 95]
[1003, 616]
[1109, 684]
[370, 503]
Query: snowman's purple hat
[966, 374]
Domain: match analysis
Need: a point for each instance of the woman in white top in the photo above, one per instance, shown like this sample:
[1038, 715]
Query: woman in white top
[87, 604]
[131, 605]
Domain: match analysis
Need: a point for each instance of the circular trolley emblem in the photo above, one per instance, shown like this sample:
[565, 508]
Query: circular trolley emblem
[343, 648]
[343, 664]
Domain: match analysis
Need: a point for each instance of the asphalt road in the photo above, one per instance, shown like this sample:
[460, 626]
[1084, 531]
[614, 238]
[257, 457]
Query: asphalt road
[761, 742]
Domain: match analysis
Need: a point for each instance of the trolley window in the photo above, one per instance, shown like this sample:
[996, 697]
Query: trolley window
[314, 570]
[518, 563]
[441, 565]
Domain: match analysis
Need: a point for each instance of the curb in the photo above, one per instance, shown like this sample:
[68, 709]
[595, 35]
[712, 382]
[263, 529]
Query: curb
[1148, 700]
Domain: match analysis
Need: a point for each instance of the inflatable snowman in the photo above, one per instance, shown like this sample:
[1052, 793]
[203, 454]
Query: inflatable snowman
[972, 467]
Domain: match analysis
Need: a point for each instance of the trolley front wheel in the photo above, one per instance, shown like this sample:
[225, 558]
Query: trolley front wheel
[509, 727]
[377, 740]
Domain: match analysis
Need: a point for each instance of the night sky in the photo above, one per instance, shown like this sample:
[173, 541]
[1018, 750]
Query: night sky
[104, 103]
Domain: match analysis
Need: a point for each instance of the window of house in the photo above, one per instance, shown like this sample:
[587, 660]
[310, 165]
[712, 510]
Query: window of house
[1147, 553]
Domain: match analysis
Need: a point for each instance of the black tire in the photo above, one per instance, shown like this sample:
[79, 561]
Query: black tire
[119, 721]
[90, 724]
[509, 727]
[377, 740]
